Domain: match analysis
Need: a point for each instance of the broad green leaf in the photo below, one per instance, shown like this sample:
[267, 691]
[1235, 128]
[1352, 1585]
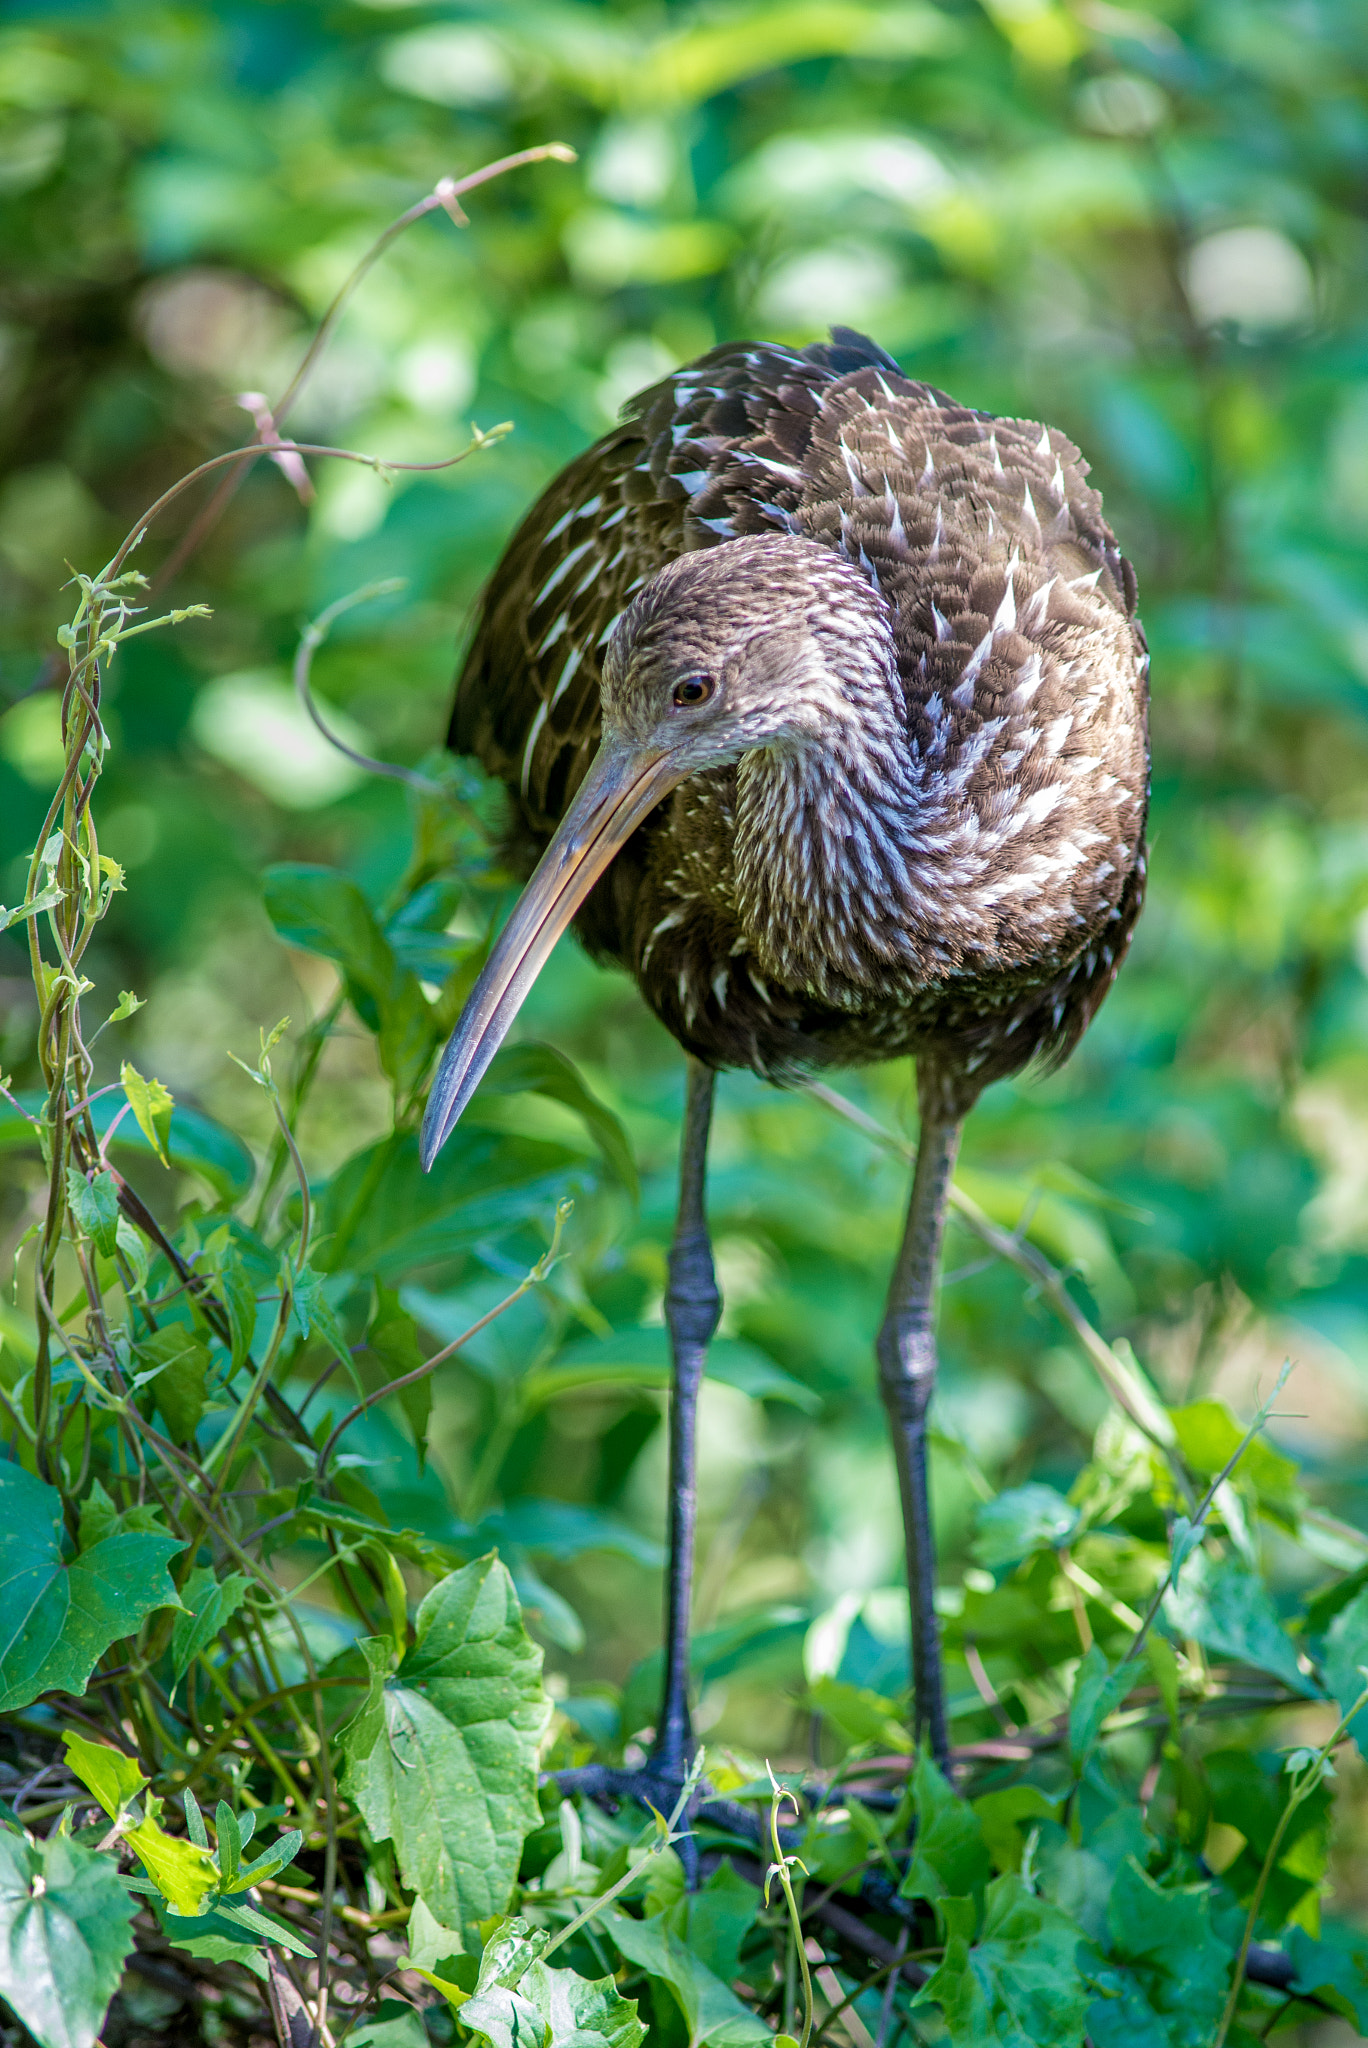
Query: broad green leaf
[863, 1715]
[393, 1338]
[95, 1205]
[151, 1104]
[1209, 1436]
[642, 1358]
[316, 1315]
[949, 1856]
[324, 912]
[711, 2009]
[1346, 1649]
[212, 1602]
[1334, 1971]
[1018, 1986]
[278, 1857]
[1173, 1976]
[58, 1618]
[183, 1873]
[265, 1926]
[541, 1070]
[234, 1286]
[114, 1778]
[382, 1216]
[1098, 1691]
[429, 1942]
[64, 1932]
[213, 1938]
[179, 1359]
[1022, 1521]
[714, 1921]
[442, 1758]
[393, 2025]
[1001, 1815]
[1228, 1610]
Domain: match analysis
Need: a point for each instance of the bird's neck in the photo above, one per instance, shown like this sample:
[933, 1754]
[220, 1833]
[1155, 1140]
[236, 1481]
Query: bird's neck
[823, 848]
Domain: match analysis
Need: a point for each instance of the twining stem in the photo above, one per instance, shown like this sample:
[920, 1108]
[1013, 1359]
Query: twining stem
[1305, 1785]
[665, 1835]
[1188, 1544]
[780, 1868]
[410, 1379]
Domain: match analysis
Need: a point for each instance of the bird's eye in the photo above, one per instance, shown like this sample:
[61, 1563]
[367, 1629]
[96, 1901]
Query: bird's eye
[693, 690]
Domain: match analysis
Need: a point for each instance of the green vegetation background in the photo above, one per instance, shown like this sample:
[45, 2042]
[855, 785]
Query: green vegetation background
[1146, 227]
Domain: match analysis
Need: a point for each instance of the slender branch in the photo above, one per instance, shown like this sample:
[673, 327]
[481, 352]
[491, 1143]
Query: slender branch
[420, 1372]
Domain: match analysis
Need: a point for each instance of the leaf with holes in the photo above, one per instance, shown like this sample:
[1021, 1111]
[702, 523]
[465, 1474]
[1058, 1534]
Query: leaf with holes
[442, 1758]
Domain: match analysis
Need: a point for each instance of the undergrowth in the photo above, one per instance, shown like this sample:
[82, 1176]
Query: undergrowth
[276, 1751]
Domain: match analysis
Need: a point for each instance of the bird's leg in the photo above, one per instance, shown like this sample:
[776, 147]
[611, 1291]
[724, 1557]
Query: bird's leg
[906, 1350]
[692, 1308]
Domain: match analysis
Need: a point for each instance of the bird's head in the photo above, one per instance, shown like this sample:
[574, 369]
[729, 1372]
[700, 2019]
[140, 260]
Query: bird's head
[764, 642]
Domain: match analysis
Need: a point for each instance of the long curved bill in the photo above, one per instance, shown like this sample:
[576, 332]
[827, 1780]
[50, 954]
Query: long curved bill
[622, 786]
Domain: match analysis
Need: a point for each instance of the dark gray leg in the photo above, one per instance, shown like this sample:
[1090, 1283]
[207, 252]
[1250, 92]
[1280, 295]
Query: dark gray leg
[692, 1308]
[906, 1351]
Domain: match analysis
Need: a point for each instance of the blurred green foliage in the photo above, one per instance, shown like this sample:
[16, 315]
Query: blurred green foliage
[1147, 227]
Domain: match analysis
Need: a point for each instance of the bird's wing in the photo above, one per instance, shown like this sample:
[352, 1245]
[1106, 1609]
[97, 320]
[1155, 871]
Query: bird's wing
[714, 451]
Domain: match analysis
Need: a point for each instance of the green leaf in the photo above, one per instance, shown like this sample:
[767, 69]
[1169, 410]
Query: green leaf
[114, 1778]
[393, 1338]
[429, 1942]
[57, 1619]
[1208, 1437]
[212, 1937]
[1175, 1975]
[1334, 1971]
[382, 1216]
[1346, 1648]
[520, 2002]
[235, 1288]
[949, 1855]
[863, 1715]
[183, 1873]
[324, 912]
[151, 1105]
[265, 1926]
[126, 1006]
[1098, 1691]
[1000, 1815]
[711, 2009]
[1018, 1986]
[714, 1921]
[1228, 1610]
[442, 1758]
[179, 1359]
[212, 1603]
[1022, 1521]
[642, 1358]
[541, 1070]
[64, 1933]
[278, 1857]
[393, 2025]
[95, 1205]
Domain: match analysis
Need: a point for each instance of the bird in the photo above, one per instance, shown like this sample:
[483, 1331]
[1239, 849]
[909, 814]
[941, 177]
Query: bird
[822, 704]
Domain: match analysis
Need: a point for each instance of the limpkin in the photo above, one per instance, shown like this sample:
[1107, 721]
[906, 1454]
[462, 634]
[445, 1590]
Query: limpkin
[823, 699]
